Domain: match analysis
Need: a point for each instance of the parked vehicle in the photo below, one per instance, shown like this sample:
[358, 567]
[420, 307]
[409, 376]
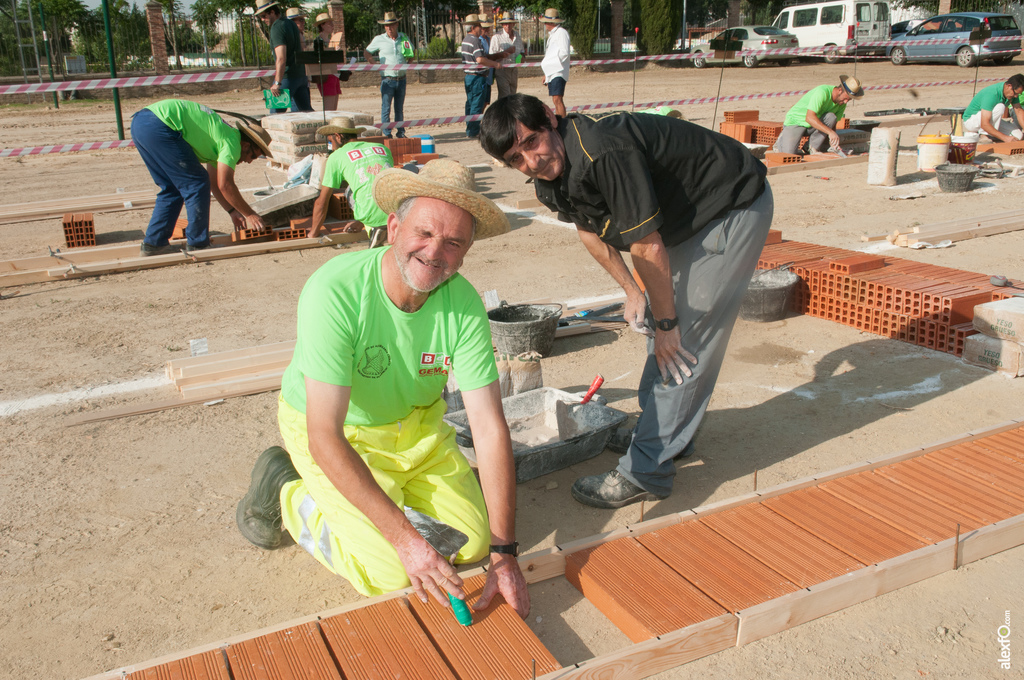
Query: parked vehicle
[837, 24]
[901, 27]
[957, 27]
[752, 38]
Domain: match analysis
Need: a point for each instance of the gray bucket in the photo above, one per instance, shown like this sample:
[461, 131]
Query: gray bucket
[768, 295]
[524, 328]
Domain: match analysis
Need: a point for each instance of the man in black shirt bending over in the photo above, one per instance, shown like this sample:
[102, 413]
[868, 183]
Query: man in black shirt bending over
[692, 208]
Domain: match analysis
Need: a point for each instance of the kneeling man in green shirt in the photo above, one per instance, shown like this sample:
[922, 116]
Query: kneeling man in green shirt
[361, 411]
[353, 165]
[816, 115]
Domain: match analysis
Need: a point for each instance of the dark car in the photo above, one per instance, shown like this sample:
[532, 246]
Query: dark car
[1001, 48]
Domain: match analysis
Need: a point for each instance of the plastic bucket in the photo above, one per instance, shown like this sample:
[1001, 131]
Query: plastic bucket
[931, 151]
[962, 149]
[524, 328]
[426, 143]
[768, 295]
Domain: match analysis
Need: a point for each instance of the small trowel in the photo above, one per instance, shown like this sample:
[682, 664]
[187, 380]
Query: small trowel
[447, 541]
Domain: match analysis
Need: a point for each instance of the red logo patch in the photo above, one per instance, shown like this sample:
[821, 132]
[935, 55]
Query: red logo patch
[355, 155]
[379, 150]
[427, 359]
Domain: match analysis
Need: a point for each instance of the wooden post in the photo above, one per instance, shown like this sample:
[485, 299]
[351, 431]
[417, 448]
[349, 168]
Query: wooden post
[157, 41]
[336, 8]
[616, 29]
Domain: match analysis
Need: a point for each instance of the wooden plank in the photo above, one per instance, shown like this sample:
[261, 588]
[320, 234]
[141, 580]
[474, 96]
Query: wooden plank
[214, 370]
[176, 366]
[659, 654]
[810, 166]
[963, 222]
[41, 210]
[229, 375]
[961, 234]
[992, 539]
[261, 382]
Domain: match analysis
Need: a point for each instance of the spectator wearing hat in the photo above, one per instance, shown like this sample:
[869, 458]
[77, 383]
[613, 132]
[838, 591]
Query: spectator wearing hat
[475, 64]
[996, 111]
[175, 138]
[391, 48]
[816, 115]
[328, 85]
[286, 42]
[556, 59]
[353, 165]
[507, 43]
[361, 409]
[295, 15]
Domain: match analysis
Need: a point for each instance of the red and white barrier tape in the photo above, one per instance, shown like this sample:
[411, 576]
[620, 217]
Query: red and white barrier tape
[448, 120]
[187, 78]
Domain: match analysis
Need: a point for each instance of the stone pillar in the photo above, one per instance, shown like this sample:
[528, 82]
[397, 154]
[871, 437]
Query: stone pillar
[487, 7]
[336, 8]
[945, 6]
[157, 41]
[733, 16]
[616, 30]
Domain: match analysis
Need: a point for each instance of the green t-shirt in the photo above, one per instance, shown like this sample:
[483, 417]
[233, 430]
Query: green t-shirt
[351, 334]
[986, 100]
[285, 32]
[818, 100]
[357, 164]
[211, 138]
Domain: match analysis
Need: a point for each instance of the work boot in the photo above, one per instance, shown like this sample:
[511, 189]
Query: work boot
[259, 512]
[148, 250]
[610, 490]
[378, 237]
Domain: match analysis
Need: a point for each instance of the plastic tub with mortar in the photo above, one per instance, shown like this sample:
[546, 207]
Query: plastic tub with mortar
[524, 328]
[962, 149]
[769, 295]
[931, 151]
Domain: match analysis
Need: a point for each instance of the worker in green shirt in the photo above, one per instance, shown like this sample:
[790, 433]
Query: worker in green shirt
[175, 138]
[996, 111]
[286, 42]
[354, 165]
[816, 115]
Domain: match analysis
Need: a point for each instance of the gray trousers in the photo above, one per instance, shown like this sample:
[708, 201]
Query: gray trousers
[710, 275]
[792, 137]
[507, 80]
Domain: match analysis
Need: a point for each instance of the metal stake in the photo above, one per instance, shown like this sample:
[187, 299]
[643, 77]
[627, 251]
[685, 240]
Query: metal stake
[956, 549]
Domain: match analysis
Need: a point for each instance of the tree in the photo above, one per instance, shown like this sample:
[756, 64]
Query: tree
[659, 24]
[583, 29]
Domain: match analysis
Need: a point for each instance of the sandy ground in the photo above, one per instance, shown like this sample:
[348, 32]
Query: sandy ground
[117, 539]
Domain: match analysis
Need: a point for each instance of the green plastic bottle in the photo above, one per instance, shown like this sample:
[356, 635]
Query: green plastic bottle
[463, 614]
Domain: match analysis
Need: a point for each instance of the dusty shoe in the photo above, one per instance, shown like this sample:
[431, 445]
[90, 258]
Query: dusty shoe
[259, 512]
[146, 250]
[378, 237]
[609, 490]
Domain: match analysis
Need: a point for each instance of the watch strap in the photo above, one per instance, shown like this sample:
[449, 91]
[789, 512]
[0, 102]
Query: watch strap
[506, 549]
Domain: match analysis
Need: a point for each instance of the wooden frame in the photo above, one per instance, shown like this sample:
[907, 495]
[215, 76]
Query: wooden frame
[42, 210]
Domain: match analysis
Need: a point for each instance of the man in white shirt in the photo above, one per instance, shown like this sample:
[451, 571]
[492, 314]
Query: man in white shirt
[556, 59]
[508, 41]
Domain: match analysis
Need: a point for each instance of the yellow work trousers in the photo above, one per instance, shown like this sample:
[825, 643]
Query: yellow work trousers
[417, 464]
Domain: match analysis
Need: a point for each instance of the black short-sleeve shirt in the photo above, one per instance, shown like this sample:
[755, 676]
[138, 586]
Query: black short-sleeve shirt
[631, 174]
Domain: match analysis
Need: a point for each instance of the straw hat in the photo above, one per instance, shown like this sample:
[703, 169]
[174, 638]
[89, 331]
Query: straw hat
[551, 16]
[445, 180]
[255, 134]
[389, 18]
[294, 13]
[322, 18]
[471, 19]
[340, 125]
[852, 86]
[507, 20]
[485, 21]
[264, 6]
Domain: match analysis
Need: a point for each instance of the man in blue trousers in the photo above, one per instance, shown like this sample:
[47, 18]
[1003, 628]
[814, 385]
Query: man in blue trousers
[175, 138]
[476, 64]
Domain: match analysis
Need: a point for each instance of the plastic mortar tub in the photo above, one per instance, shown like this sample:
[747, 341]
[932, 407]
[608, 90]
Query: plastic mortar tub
[931, 151]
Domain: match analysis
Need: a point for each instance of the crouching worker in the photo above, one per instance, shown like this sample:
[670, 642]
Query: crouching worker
[353, 165]
[361, 409]
[816, 116]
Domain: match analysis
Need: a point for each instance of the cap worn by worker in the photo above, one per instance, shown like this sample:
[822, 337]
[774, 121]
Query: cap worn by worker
[255, 134]
[445, 180]
[294, 13]
[264, 6]
[852, 86]
[389, 18]
[340, 125]
[322, 18]
[551, 16]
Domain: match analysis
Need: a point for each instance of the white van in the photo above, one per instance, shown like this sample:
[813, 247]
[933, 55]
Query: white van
[837, 23]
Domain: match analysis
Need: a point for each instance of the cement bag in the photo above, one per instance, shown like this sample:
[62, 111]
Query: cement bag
[882, 155]
[519, 373]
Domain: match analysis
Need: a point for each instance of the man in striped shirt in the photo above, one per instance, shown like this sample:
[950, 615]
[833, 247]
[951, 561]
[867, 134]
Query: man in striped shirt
[475, 63]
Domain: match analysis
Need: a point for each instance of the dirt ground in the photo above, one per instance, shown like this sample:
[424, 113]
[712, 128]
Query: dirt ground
[118, 541]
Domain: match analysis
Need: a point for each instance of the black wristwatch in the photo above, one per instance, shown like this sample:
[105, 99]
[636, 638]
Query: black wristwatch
[667, 324]
[507, 549]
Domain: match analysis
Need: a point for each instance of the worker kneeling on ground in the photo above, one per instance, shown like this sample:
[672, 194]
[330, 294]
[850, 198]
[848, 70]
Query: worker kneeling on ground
[353, 165]
[361, 409]
[816, 115]
[996, 111]
[175, 137]
[692, 207]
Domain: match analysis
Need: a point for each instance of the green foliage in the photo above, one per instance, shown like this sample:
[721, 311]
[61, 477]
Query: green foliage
[438, 48]
[234, 52]
[583, 29]
[659, 25]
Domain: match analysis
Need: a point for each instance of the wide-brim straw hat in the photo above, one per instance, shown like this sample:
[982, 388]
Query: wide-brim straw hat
[264, 6]
[445, 180]
[255, 134]
[852, 86]
[389, 18]
[340, 125]
[471, 19]
[485, 21]
[322, 18]
[508, 20]
[551, 16]
[294, 13]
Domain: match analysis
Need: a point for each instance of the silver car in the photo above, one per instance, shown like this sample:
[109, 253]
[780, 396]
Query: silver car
[1001, 48]
[751, 38]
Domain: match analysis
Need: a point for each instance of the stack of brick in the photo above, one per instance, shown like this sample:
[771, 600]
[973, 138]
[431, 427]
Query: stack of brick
[1003, 148]
[293, 135]
[919, 303]
[997, 345]
[79, 230]
[250, 236]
